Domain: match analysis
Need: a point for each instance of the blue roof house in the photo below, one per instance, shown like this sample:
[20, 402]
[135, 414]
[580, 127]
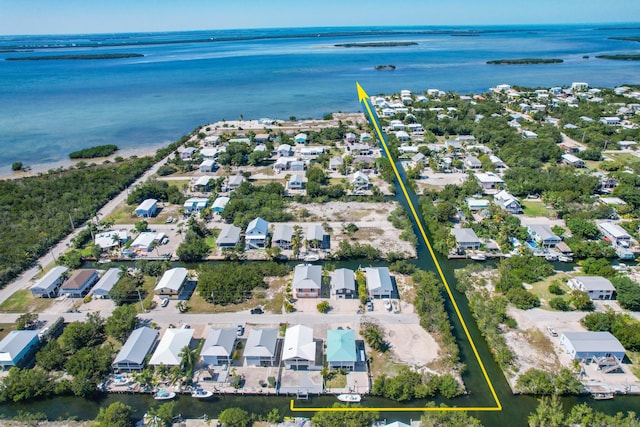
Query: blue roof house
[341, 349]
[17, 347]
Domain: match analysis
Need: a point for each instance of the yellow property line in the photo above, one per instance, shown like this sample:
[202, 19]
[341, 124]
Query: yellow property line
[362, 95]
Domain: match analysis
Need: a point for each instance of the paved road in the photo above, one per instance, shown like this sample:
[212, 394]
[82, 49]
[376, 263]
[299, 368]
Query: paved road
[26, 279]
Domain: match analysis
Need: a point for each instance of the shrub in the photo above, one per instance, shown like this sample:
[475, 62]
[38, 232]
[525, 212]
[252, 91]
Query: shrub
[555, 288]
[560, 304]
[323, 307]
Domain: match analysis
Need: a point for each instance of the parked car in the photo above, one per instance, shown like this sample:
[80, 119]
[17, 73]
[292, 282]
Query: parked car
[552, 331]
[369, 306]
[387, 304]
[256, 310]
[240, 330]
[164, 302]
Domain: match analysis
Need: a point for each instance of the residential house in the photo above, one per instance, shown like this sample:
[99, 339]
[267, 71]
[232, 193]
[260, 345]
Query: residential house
[364, 162]
[616, 234]
[211, 153]
[17, 348]
[360, 181]
[408, 149]
[106, 283]
[336, 163]
[146, 241]
[195, 204]
[260, 349]
[300, 351]
[466, 238]
[261, 138]
[508, 202]
[300, 138]
[260, 147]
[475, 205]
[472, 162]
[529, 134]
[311, 151]
[588, 345]
[497, 162]
[572, 160]
[350, 137]
[48, 285]
[307, 280]
[598, 288]
[229, 236]
[343, 283]
[218, 347]
[202, 184]
[359, 149]
[133, 354]
[453, 146]
[543, 235]
[283, 163]
[611, 121]
[284, 150]
[235, 182]
[315, 236]
[171, 345]
[296, 182]
[171, 282]
[188, 153]
[207, 165]
[256, 234]
[365, 137]
[78, 285]
[219, 204]
[110, 239]
[282, 236]
[147, 208]
[579, 86]
[341, 349]
[418, 160]
[489, 181]
[397, 125]
[379, 282]
[402, 136]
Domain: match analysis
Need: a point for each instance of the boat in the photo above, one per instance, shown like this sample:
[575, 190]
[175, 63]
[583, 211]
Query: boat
[349, 398]
[551, 257]
[312, 258]
[199, 393]
[119, 381]
[564, 258]
[602, 396]
[164, 395]
[478, 257]
[387, 304]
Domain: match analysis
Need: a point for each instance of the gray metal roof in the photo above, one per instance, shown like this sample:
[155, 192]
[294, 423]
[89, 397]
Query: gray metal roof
[261, 343]
[172, 279]
[306, 276]
[282, 233]
[107, 282]
[258, 227]
[229, 235]
[315, 232]
[219, 342]
[14, 343]
[465, 235]
[543, 231]
[594, 342]
[595, 283]
[47, 282]
[137, 347]
[378, 280]
[343, 278]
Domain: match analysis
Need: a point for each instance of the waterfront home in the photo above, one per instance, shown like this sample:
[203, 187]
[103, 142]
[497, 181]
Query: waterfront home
[48, 285]
[315, 236]
[235, 182]
[202, 183]
[402, 136]
[341, 349]
[147, 208]
[187, 153]
[282, 236]
[211, 153]
[585, 346]
[133, 354]
[229, 236]
[207, 165]
[418, 160]
[300, 138]
[616, 234]
[508, 202]
[466, 238]
[364, 162]
[256, 234]
[475, 205]
[106, 283]
[296, 182]
[343, 283]
[260, 349]
[360, 181]
[597, 287]
[311, 151]
[218, 347]
[579, 86]
[171, 282]
[379, 282]
[611, 121]
[572, 160]
[300, 351]
[146, 241]
[171, 345]
[350, 137]
[489, 181]
[78, 285]
[284, 150]
[110, 239]
[472, 162]
[365, 137]
[17, 348]
[195, 204]
[335, 163]
[542, 234]
[219, 204]
[307, 280]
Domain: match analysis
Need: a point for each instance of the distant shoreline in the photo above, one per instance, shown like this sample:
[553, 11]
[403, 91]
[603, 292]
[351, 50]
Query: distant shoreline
[376, 44]
[525, 61]
[620, 57]
[76, 57]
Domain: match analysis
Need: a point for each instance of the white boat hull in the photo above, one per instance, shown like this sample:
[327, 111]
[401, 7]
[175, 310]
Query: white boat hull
[350, 398]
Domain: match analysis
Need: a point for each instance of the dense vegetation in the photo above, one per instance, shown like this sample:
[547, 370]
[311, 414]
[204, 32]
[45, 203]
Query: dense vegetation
[447, 418]
[622, 326]
[538, 382]
[154, 189]
[35, 211]
[194, 246]
[409, 385]
[90, 153]
[249, 202]
[344, 418]
[550, 412]
[232, 283]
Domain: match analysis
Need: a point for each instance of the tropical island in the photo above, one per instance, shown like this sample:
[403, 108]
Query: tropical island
[620, 57]
[75, 57]
[376, 44]
[524, 61]
[385, 67]
[92, 152]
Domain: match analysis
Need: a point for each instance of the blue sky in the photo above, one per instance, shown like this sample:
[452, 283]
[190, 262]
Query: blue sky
[91, 16]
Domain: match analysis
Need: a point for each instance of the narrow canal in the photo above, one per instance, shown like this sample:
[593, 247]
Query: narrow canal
[515, 408]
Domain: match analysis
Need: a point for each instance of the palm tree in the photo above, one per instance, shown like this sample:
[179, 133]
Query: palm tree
[188, 359]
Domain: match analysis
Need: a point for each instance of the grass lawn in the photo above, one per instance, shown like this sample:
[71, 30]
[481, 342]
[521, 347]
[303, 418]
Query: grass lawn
[148, 286]
[338, 381]
[23, 301]
[123, 214]
[536, 208]
[210, 241]
[382, 363]
[5, 328]
[541, 289]
[270, 299]
[592, 164]
[622, 157]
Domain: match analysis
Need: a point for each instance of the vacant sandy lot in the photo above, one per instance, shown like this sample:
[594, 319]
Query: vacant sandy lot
[411, 344]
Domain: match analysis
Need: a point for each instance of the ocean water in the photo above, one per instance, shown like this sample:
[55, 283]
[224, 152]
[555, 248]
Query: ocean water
[185, 79]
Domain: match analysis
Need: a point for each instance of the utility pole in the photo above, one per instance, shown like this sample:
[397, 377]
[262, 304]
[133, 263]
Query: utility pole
[140, 299]
[73, 227]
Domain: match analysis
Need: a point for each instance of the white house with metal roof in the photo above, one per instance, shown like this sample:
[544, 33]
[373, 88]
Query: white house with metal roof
[343, 283]
[145, 241]
[542, 234]
[202, 183]
[341, 349]
[170, 346]
[133, 354]
[17, 347]
[48, 285]
[218, 347]
[195, 204]
[307, 280]
[110, 239]
[256, 233]
[615, 233]
[379, 282]
[260, 349]
[315, 235]
[207, 165]
[282, 236]
[106, 283]
[587, 345]
[597, 287]
[235, 182]
[466, 238]
[219, 204]
[229, 236]
[147, 208]
[300, 349]
[172, 282]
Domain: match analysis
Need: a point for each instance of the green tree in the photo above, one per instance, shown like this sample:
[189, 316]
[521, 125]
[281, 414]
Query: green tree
[344, 418]
[163, 414]
[122, 321]
[115, 415]
[581, 301]
[141, 226]
[125, 291]
[583, 229]
[549, 413]
[628, 293]
[323, 307]
[374, 336]
[51, 357]
[188, 359]
[26, 321]
[16, 166]
[447, 418]
[234, 417]
[82, 334]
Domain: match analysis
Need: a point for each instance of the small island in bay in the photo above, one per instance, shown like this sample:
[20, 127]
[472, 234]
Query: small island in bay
[385, 67]
[523, 61]
[620, 57]
[92, 152]
[77, 57]
[376, 44]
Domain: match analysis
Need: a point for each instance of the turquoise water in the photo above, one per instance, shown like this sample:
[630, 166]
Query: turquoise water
[49, 108]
